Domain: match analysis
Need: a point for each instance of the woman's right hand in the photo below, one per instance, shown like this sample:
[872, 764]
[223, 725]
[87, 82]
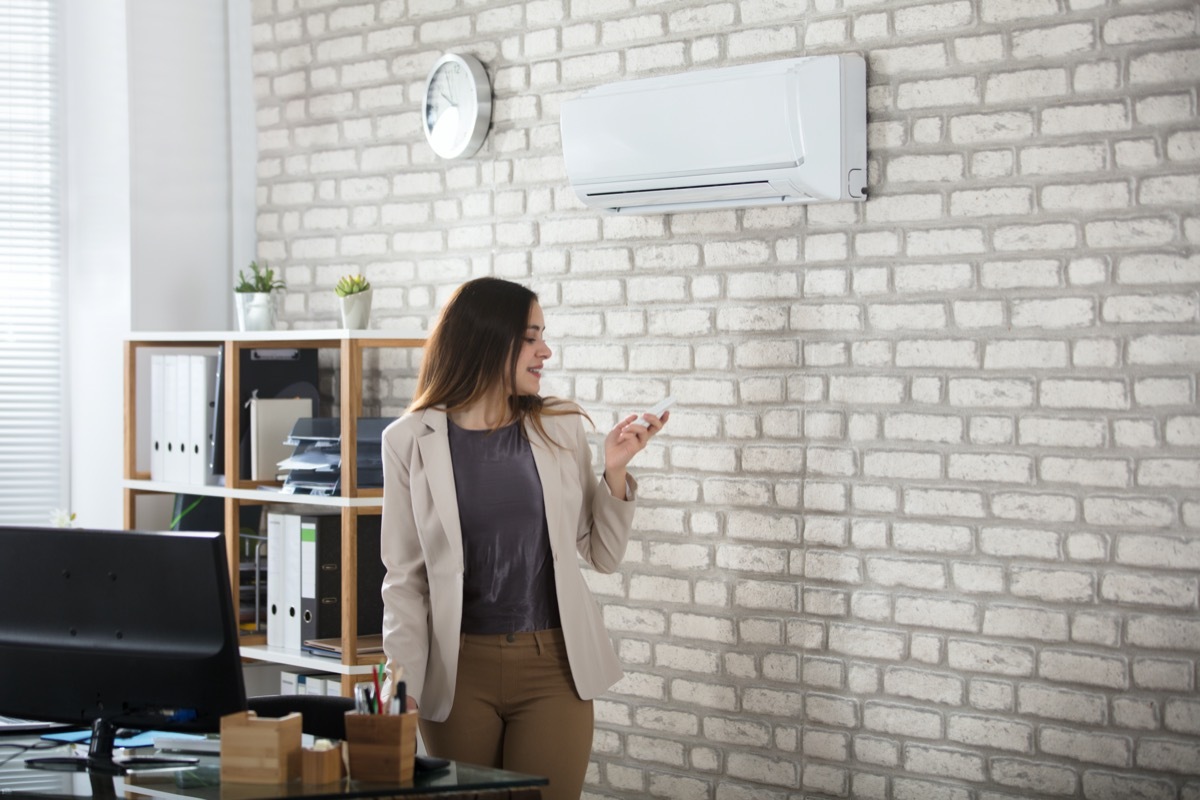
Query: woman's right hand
[410, 703]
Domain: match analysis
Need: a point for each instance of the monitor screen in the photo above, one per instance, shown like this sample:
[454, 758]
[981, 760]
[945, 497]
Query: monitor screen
[108, 628]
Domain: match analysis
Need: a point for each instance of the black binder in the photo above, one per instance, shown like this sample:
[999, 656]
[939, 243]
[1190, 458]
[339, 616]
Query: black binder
[321, 609]
[321, 578]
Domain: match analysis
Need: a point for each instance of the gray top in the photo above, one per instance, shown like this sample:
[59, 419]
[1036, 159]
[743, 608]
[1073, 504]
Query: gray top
[509, 582]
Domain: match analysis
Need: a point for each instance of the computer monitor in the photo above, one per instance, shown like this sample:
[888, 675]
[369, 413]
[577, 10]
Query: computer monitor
[117, 629]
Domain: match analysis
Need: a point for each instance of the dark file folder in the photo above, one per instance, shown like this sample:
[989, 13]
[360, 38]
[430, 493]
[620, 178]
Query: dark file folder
[269, 372]
[321, 576]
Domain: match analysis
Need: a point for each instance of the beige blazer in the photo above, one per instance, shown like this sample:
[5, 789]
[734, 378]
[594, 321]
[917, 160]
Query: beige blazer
[423, 552]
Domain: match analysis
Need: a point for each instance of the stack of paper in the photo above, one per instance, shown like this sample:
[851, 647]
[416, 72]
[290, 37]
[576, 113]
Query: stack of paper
[332, 647]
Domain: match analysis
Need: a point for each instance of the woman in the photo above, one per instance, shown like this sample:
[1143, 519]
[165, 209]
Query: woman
[488, 495]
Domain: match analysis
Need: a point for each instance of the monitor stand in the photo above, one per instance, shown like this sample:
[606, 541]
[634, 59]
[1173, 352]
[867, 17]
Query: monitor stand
[100, 756]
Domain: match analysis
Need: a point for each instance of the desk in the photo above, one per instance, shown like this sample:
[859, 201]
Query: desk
[203, 782]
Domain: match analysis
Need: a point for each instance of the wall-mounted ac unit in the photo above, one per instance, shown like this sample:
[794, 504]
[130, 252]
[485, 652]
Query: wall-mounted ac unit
[790, 131]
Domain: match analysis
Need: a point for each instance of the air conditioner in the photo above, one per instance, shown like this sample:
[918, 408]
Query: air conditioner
[778, 132]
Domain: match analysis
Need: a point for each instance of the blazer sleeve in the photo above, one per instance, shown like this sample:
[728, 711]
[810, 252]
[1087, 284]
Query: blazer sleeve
[605, 522]
[406, 583]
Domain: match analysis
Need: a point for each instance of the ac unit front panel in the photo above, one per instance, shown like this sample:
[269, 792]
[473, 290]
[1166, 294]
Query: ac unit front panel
[689, 129]
[790, 131]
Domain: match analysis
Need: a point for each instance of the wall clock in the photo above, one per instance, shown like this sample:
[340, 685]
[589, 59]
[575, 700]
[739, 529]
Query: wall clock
[457, 107]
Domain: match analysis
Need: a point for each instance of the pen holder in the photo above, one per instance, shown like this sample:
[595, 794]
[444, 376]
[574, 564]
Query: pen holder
[322, 766]
[383, 747]
[257, 750]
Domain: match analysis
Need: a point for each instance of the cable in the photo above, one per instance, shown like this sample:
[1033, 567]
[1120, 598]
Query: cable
[21, 749]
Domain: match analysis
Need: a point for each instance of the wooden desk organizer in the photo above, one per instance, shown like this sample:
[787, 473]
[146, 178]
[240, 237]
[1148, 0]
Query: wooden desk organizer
[257, 750]
[383, 747]
[322, 766]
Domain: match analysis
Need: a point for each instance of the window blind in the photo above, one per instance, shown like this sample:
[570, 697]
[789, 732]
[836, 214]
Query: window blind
[32, 297]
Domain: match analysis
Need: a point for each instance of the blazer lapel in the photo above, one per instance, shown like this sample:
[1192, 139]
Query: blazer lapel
[435, 454]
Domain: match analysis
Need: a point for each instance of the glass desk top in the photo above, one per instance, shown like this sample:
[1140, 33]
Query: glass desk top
[203, 781]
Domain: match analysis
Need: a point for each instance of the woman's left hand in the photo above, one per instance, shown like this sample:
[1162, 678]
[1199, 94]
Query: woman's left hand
[624, 442]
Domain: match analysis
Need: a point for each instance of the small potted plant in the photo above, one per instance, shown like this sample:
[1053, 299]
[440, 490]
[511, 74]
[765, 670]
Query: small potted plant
[254, 294]
[354, 294]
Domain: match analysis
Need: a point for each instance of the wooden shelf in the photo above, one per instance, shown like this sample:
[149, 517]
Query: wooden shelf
[292, 658]
[258, 496]
[315, 338]
[350, 501]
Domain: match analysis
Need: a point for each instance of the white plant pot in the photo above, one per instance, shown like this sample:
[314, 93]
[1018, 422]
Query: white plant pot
[255, 311]
[356, 310]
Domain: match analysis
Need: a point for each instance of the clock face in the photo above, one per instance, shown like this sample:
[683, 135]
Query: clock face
[457, 106]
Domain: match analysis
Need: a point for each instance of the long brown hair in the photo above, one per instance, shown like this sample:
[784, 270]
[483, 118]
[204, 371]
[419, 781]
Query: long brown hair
[473, 348]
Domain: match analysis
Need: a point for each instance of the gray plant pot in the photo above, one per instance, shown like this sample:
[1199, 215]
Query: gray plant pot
[356, 310]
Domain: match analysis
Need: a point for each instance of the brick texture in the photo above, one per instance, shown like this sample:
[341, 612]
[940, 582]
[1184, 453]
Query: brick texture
[926, 520]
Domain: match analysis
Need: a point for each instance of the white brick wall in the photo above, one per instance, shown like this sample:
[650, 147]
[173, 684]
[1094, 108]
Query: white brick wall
[926, 521]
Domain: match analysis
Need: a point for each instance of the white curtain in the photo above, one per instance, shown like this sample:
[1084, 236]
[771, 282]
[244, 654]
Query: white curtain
[32, 293]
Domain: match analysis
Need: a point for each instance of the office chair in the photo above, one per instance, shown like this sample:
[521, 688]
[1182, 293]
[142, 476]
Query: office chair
[324, 716]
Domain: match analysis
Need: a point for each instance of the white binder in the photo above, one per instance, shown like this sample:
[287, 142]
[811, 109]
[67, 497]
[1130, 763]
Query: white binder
[291, 582]
[158, 445]
[175, 411]
[201, 407]
[275, 565]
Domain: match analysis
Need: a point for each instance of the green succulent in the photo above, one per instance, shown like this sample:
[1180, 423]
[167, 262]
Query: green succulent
[351, 284]
[261, 279]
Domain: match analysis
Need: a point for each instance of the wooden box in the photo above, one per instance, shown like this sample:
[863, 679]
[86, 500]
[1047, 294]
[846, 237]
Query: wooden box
[257, 750]
[383, 747]
[322, 766]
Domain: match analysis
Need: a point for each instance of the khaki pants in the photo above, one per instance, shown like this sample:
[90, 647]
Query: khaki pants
[515, 708]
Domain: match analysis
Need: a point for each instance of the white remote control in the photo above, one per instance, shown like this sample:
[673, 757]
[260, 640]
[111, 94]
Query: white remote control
[657, 410]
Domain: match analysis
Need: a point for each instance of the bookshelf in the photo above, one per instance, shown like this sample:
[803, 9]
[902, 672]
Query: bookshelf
[351, 502]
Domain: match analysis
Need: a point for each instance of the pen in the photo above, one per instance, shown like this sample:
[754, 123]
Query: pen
[375, 673]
